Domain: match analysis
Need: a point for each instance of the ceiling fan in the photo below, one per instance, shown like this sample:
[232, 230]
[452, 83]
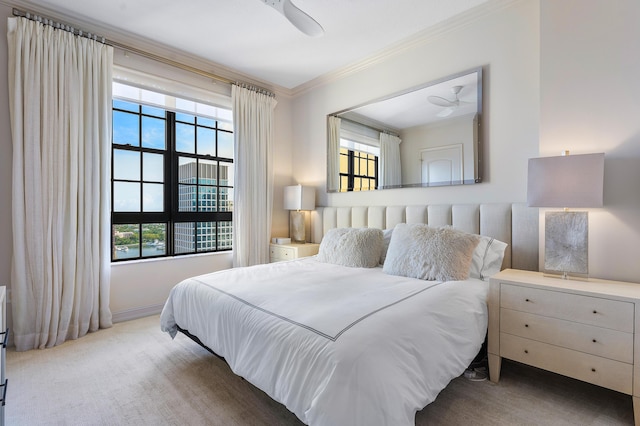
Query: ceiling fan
[448, 105]
[297, 17]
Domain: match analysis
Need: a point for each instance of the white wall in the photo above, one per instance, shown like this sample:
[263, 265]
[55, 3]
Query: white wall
[590, 102]
[505, 40]
[458, 131]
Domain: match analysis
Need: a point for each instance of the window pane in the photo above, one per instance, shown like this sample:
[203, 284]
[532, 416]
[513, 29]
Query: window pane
[187, 170]
[187, 118]
[126, 129]
[126, 105]
[154, 239]
[187, 196]
[184, 237]
[152, 167]
[226, 199]
[372, 169]
[363, 166]
[126, 197]
[207, 199]
[153, 133]
[209, 122]
[225, 174]
[225, 145]
[344, 183]
[158, 112]
[344, 164]
[226, 125]
[152, 197]
[206, 141]
[126, 165]
[126, 241]
[185, 138]
[357, 184]
[206, 240]
[207, 172]
[225, 235]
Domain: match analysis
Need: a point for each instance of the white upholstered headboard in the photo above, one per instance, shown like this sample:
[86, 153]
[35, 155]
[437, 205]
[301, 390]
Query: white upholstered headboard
[515, 224]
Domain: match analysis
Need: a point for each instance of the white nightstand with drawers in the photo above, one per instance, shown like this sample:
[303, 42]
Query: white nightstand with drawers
[280, 252]
[588, 330]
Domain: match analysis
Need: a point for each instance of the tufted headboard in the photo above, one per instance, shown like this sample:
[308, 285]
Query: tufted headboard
[515, 224]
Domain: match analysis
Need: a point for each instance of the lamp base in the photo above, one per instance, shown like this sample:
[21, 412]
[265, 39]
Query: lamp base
[566, 243]
[297, 226]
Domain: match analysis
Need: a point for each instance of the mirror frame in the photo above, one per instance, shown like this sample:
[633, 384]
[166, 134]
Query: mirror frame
[478, 126]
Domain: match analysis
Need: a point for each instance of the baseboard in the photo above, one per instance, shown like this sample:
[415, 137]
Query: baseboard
[131, 314]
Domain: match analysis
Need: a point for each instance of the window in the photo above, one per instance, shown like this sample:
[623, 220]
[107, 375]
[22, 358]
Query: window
[172, 176]
[358, 166]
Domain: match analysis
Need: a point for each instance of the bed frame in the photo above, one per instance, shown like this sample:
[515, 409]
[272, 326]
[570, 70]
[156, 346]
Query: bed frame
[513, 223]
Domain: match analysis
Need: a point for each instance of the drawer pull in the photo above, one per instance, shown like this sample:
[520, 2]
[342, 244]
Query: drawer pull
[593, 370]
[526, 351]
[594, 341]
[526, 325]
[595, 312]
[527, 300]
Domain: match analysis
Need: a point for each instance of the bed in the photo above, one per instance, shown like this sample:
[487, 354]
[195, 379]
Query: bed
[359, 335]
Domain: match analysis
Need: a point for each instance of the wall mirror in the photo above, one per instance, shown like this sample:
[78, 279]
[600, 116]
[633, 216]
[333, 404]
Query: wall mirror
[423, 136]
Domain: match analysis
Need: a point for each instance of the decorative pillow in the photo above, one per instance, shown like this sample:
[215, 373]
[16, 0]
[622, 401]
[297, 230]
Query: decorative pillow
[355, 247]
[487, 258]
[428, 253]
[386, 239]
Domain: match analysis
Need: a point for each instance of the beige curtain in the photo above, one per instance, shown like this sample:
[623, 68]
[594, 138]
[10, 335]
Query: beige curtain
[333, 154]
[253, 190]
[390, 173]
[60, 108]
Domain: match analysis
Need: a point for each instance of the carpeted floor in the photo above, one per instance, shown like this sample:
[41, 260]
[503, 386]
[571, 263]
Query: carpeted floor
[133, 374]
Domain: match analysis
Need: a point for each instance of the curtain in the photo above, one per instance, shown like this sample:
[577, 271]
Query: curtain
[390, 169]
[253, 190]
[333, 154]
[60, 111]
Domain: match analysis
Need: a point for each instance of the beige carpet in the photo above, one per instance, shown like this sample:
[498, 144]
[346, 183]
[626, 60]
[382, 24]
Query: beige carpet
[133, 374]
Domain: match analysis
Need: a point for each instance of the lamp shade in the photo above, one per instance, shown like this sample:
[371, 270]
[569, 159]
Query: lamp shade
[566, 181]
[299, 197]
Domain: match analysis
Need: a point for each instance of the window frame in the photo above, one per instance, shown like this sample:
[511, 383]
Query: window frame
[171, 214]
[351, 174]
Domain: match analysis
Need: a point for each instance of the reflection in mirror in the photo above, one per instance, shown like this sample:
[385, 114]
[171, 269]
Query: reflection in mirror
[423, 136]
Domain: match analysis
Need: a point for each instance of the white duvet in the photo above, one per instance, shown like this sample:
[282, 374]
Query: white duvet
[335, 345]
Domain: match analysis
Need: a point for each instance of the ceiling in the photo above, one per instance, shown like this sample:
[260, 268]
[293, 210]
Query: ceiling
[250, 37]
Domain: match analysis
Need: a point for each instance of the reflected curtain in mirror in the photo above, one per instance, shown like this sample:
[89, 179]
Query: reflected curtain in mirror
[390, 167]
[333, 154]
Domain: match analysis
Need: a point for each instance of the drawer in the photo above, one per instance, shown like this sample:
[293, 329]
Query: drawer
[607, 313]
[603, 372]
[281, 253]
[604, 342]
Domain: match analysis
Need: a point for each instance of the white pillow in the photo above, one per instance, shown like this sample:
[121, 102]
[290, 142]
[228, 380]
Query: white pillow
[386, 239]
[355, 247]
[487, 258]
[420, 251]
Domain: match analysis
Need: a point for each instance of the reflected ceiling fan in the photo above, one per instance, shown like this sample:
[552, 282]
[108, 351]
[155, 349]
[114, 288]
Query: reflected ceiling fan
[297, 17]
[448, 104]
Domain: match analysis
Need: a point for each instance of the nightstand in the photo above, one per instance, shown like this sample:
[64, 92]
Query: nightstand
[588, 330]
[280, 252]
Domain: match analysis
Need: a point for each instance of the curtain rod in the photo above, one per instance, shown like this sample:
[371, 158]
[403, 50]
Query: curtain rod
[70, 28]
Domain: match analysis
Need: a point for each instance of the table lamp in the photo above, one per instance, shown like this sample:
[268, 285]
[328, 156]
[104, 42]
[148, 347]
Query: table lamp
[567, 181]
[298, 198]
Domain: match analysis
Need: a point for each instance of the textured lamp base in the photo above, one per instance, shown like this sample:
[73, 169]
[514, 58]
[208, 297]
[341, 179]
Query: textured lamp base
[566, 242]
[297, 226]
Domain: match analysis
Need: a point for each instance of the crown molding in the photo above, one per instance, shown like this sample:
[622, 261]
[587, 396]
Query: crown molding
[427, 36]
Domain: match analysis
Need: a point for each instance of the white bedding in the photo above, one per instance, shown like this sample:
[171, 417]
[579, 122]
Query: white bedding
[336, 345]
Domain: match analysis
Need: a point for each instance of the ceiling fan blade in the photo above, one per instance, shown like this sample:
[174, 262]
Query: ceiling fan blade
[297, 17]
[301, 20]
[445, 112]
[437, 100]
